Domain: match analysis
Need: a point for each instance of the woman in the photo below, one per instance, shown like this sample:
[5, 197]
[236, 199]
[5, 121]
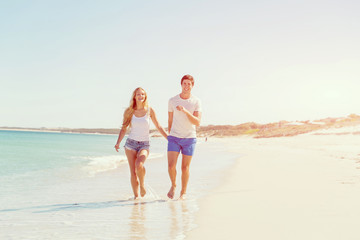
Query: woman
[137, 116]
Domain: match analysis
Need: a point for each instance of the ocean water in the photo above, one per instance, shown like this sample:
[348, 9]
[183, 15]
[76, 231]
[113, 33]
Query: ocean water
[76, 186]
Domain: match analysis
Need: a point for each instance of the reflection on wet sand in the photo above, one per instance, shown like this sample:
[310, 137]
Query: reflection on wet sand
[137, 222]
[180, 219]
[161, 219]
[174, 226]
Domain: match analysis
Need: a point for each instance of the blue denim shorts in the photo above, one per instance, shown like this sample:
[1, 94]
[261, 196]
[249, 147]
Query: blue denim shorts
[184, 145]
[136, 145]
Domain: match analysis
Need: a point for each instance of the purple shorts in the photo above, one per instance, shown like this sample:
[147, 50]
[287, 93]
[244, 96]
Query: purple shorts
[184, 145]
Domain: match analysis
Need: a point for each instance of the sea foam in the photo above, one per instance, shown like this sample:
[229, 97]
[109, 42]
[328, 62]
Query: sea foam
[98, 164]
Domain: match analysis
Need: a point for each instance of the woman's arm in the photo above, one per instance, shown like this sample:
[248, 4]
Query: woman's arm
[122, 132]
[120, 138]
[170, 121]
[156, 123]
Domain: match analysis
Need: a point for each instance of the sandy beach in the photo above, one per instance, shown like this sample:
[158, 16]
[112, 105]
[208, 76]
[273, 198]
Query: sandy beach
[301, 187]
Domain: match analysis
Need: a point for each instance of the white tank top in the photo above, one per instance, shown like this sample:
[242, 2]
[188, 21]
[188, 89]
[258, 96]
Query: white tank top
[140, 127]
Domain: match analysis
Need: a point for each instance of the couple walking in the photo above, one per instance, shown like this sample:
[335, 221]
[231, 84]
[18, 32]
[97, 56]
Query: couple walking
[184, 114]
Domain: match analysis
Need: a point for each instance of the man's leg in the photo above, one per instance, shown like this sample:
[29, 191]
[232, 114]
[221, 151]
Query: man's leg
[185, 174]
[172, 160]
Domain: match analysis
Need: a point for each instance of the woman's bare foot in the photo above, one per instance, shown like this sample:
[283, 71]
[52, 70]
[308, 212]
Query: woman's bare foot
[171, 192]
[142, 191]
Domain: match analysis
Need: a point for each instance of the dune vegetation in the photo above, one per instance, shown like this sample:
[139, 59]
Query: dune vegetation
[256, 130]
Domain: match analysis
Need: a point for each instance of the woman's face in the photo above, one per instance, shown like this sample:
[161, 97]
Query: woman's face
[140, 95]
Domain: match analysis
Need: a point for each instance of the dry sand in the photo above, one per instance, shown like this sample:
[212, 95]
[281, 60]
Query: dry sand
[304, 187]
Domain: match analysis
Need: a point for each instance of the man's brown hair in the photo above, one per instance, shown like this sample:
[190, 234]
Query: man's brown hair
[188, 77]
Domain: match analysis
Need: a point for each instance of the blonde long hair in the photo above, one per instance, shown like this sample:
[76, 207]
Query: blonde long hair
[129, 112]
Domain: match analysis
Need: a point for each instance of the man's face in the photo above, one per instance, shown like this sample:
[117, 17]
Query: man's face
[186, 86]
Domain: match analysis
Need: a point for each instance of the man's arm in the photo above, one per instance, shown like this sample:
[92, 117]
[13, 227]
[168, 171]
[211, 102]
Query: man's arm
[194, 118]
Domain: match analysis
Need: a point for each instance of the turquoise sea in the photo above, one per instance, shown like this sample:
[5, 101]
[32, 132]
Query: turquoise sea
[76, 186]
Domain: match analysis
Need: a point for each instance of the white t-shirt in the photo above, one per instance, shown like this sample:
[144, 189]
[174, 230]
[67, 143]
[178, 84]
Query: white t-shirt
[181, 126]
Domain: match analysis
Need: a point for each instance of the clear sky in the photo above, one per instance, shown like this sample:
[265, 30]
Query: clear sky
[75, 63]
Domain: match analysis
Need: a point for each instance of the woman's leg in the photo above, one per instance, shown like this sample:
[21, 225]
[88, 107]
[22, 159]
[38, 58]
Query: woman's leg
[131, 156]
[140, 169]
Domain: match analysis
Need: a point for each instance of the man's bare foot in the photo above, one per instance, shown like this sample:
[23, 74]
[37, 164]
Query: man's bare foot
[142, 191]
[182, 196]
[171, 192]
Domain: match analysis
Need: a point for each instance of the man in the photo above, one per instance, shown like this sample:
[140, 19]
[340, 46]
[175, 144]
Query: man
[184, 116]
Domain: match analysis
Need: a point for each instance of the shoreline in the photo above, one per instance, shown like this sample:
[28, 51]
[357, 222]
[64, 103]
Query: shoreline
[301, 187]
[27, 130]
[78, 200]
[51, 131]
